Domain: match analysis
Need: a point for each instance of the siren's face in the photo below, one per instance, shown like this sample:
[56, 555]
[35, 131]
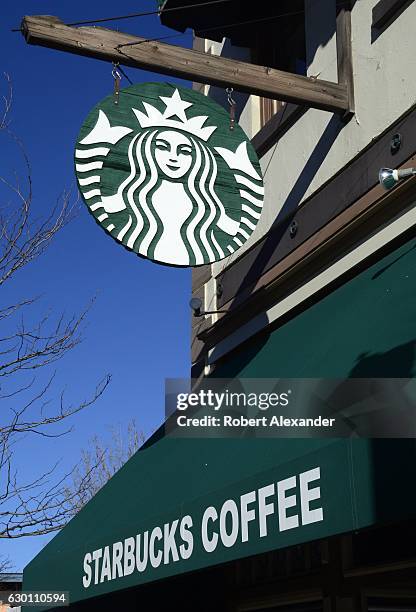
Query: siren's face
[173, 154]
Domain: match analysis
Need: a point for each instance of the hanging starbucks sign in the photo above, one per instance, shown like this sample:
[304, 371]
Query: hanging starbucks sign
[162, 172]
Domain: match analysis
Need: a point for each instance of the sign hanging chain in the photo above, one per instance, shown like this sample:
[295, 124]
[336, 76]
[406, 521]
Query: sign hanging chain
[232, 104]
[117, 78]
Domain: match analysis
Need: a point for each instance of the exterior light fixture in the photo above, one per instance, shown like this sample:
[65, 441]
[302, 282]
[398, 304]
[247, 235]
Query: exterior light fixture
[196, 304]
[388, 178]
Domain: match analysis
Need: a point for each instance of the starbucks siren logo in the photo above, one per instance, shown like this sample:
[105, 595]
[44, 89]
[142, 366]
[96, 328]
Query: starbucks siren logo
[162, 172]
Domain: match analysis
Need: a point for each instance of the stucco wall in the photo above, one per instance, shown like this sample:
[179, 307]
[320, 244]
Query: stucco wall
[319, 145]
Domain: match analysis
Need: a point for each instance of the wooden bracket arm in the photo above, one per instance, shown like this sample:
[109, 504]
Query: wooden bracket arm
[136, 52]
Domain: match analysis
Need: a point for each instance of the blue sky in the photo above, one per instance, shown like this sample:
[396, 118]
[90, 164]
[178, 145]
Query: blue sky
[138, 329]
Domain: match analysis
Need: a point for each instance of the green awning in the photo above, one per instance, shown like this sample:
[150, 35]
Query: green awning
[176, 478]
[364, 328]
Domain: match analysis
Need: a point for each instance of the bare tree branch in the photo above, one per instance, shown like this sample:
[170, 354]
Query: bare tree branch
[5, 565]
[100, 462]
[7, 101]
[30, 404]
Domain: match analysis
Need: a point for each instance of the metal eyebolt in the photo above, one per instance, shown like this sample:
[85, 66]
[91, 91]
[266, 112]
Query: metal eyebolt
[395, 143]
[293, 229]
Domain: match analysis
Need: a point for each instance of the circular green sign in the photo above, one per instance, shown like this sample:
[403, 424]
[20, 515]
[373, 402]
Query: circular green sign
[162, 172]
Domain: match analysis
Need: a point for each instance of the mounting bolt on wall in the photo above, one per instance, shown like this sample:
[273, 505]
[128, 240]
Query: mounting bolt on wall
[293, 229]
[395, 143]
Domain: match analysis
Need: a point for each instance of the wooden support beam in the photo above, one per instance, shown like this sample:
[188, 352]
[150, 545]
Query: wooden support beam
[344, 56]
[109, 45]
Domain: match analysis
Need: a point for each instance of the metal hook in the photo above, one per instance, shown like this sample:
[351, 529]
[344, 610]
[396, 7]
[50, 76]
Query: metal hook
[229, 92]
[232, 104]
[115, 73]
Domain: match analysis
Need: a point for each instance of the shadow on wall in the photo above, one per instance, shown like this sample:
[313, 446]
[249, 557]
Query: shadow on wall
[376, 32]
[279, 230]
[311, 167]
[320, 18]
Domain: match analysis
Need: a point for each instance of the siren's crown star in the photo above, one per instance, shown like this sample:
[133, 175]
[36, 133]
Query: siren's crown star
[175, 106]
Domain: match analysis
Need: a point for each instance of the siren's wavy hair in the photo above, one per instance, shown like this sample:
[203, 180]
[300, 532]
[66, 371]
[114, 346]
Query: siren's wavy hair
[144, 227]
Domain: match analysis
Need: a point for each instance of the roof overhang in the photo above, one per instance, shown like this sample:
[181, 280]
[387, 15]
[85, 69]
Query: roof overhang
[231, 19]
